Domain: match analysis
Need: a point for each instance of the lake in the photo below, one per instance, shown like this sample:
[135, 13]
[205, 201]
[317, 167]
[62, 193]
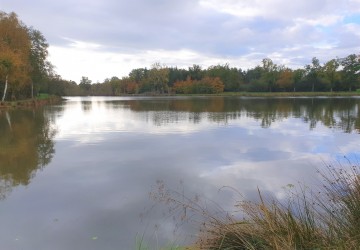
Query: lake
[78, 175]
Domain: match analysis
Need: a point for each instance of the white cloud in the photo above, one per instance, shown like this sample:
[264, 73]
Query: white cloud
[245, 8]
[74, 62]
[325, 12]
[353, 29]
[87, 59]
[326, 20]
[112, 37]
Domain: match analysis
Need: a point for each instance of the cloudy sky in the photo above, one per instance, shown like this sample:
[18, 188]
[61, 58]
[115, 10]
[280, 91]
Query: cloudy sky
[105, 38]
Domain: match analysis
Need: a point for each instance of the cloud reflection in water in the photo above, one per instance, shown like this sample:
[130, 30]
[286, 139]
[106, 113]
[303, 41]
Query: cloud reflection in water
[111, 151]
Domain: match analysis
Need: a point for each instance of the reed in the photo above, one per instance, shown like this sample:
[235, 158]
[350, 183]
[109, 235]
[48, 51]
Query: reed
[325, 218]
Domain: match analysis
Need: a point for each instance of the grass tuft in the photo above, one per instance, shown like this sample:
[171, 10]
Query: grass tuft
[326, 219]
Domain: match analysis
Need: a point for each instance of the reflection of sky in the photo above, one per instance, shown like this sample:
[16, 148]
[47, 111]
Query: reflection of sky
[99, 118]
[108, 160]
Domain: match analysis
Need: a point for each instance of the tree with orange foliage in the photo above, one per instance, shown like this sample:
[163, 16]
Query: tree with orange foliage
[285, 80]
[207, 85]
[132, 88]
[183, 87]
[15, 48]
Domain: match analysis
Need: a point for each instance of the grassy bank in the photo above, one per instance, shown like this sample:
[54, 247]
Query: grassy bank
[42, 99]
[280, 94]
[325, 218]
[262, 94]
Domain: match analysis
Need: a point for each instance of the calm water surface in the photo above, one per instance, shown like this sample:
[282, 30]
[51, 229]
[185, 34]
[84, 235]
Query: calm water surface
[78, 175]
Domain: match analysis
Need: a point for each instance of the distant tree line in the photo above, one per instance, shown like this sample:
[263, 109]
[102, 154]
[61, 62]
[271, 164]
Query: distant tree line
[340, 74]
[25, 72]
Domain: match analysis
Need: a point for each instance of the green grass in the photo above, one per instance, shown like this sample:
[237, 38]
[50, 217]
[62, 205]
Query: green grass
[41, 99]
[142, 245]
[42, 96]
[326, 218]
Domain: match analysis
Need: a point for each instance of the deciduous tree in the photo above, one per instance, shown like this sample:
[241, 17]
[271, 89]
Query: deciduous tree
[14, 54]
[286, 79]
[231, 77]
[351, 70]
[330, 72]
[270, 73]
[313, 73]
[41, 68]
[158, 78]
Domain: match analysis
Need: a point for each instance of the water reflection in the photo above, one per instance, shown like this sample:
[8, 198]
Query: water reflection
[26, 143]
[337, 113]
[111, 151]
[86, 105]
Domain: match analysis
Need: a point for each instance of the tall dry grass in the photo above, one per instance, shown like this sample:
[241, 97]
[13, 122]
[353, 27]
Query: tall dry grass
[325, 218]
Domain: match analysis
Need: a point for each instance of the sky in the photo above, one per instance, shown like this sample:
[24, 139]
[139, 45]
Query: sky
[100, 39]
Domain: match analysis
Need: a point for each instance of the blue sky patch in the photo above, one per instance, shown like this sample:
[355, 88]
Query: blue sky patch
[352, 19]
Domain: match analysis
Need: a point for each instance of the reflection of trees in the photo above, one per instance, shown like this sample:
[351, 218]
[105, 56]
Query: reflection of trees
[26, 145]
[86, 105]
[340, 113]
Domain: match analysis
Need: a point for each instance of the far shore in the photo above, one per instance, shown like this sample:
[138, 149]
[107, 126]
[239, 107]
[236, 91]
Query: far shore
[47, 99]
[280, 94]
[260, 94]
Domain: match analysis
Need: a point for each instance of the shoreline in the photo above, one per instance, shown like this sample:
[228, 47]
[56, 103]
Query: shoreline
[280, 94]
[290, 94]
[38, 102]
[251, 94]
[30, 103]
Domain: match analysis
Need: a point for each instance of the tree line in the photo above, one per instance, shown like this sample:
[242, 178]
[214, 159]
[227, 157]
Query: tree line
[340, 74]
[25, 72]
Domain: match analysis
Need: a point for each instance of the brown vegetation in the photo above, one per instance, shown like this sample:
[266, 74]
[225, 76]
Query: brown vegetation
[327, 218]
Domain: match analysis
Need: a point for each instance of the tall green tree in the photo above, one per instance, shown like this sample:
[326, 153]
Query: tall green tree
[253, 81]
[331, 72]
[176, 74]
[157, 78]
[41, 68]
[270, 73]
[196, 72]
[231, 77]
[351, 71]
[298, 76]
[114, 84]
[139, 74]
[85, 85]
[313, 73]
